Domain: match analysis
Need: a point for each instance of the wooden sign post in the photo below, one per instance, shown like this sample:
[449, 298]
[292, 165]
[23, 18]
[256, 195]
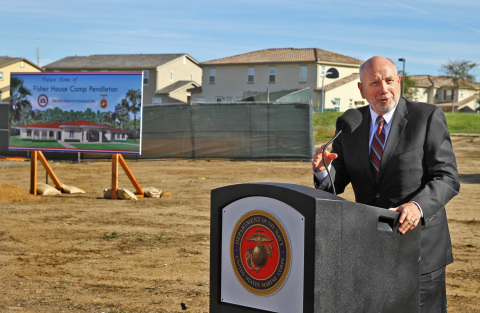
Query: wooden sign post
[38, 155]
[118, 158]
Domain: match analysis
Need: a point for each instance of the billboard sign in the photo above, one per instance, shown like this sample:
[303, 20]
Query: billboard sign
[76, 112]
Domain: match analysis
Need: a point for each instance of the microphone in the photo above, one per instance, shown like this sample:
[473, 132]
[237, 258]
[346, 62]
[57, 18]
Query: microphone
[347, 123]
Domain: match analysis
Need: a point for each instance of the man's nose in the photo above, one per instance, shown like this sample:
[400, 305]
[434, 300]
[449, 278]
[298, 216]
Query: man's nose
[384, 87]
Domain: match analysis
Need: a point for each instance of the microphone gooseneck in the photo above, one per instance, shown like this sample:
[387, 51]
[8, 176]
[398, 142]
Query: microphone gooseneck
[347, 123]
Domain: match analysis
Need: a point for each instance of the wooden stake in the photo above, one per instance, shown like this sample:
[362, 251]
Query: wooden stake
[33, 173]
[114, 175]
[38, 155]
[132, 178]
[49, 170]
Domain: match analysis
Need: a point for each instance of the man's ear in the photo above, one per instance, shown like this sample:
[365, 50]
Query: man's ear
[360, 87]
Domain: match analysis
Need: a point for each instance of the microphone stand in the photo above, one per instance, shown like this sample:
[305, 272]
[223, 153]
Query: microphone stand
[325, 164]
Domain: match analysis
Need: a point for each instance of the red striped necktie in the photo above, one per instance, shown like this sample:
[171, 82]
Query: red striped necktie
[376, 150]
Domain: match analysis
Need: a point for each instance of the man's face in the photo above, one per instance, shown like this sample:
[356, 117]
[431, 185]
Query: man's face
[380, 85]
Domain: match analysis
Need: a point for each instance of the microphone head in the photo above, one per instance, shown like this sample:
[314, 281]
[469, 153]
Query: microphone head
[349, 121]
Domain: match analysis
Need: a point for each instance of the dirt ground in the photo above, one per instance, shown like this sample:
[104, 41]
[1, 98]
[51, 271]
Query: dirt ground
[84, 253]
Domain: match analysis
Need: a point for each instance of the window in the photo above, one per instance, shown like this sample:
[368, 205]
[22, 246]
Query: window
[211, 79]
[22, 64]
[145, 77]
[448, 94]
[218, 99]
[251, 75]
[29, 133]
[157, 100]
[303, 74]
[171, 76]
[1, 75]
[229, 99]
[336, 104]
[191, 77]
[350, 103]
[72, 134]
[272, 72]
[201, 99]
[323, 71]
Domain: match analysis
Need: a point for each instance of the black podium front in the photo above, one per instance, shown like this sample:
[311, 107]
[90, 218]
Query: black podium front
[290, 248]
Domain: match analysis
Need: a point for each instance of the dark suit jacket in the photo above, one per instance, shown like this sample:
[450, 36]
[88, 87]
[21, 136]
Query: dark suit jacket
[418, 165]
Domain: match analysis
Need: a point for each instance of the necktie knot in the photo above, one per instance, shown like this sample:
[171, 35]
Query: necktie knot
[380, 122]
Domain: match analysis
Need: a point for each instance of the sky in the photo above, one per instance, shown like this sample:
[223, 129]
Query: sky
[426, 33]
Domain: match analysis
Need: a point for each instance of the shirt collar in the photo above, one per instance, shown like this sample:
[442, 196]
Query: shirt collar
[387, 116]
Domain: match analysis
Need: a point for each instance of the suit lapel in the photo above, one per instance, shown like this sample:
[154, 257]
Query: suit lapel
[363, 133]
[396, 130]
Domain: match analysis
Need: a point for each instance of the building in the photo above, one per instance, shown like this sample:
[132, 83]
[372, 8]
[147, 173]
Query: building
[13, 65]
[443, 92]
[77, 131]
[273, 74]
[166, 77]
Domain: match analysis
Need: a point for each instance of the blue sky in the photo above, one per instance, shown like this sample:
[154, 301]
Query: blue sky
[427, 33]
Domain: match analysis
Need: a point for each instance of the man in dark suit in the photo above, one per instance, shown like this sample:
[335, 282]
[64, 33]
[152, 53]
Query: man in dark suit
[413, 170]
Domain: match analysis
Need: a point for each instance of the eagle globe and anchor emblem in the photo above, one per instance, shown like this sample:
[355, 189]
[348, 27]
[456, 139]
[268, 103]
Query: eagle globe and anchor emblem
[260, 252]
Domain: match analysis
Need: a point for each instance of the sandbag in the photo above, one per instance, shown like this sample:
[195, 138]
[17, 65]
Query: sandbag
[152, 192]
[122, 193]
[125, 194]
[72, 189]
[47, 190]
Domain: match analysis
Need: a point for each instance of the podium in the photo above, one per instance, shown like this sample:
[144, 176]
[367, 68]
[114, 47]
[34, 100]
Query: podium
[289, 248]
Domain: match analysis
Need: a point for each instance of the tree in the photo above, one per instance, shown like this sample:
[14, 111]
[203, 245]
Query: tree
[20, 107]
[410, 90]
[121, 113]
[133, 101]
[459, 70]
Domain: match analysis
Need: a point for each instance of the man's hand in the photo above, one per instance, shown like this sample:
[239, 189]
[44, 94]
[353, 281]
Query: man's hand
[317, 160]
[410, 216]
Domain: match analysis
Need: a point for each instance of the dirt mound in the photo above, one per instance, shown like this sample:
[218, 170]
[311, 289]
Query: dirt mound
[13, 193]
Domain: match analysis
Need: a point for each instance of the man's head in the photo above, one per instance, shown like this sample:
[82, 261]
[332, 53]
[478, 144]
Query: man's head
[380, 84]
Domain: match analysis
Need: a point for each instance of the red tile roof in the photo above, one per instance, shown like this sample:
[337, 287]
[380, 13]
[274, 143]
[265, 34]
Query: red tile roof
[341, 81]
[440, 81]
[285, 55]
[77, 123]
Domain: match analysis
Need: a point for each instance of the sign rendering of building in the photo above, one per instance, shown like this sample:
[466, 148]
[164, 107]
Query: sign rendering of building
[76, 112]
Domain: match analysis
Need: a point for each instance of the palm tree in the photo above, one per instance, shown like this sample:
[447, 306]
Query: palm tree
[121, 113]
[133, 101]
[20, 107]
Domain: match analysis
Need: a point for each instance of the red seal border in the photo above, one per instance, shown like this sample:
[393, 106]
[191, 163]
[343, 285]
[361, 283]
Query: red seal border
[247, 281]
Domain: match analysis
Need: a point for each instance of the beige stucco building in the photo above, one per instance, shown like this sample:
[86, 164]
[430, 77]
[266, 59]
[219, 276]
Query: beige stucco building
[272, 70]
[13, 65]
[166, 77]
[442, 91]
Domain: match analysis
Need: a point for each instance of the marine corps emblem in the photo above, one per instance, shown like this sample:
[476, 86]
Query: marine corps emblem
[260, 252]
[103, 102]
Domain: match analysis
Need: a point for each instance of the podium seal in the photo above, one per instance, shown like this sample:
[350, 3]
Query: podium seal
[260, 252]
